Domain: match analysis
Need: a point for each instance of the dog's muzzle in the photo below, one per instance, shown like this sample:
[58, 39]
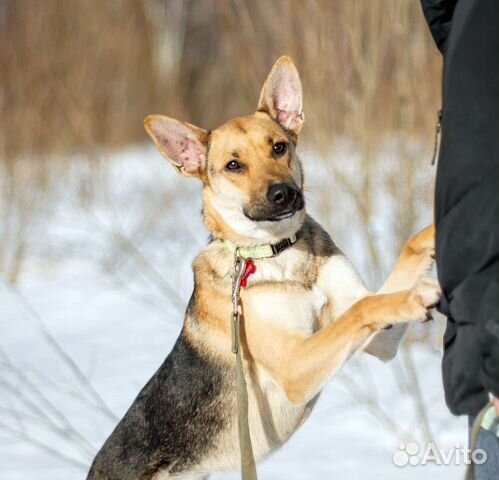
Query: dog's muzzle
[283, 201]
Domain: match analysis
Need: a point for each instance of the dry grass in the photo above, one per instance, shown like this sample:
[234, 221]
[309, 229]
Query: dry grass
[80, 75]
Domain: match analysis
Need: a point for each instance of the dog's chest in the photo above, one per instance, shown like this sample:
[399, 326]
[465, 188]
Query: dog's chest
[299, 293]
[289, 294]
[283, 291]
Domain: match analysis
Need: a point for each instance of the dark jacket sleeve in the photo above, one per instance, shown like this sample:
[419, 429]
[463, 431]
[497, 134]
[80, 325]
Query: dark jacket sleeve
[438, 14]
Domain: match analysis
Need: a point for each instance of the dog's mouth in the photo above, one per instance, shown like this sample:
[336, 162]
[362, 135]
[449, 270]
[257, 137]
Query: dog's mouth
[266, 213]
[283, 216]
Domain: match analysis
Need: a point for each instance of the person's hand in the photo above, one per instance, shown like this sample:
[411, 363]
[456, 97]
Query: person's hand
[495, 401]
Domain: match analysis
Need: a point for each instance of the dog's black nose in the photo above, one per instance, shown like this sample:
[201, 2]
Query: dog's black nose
[282, 194]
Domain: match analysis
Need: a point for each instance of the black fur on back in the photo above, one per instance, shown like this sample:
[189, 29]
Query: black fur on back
[173, 421]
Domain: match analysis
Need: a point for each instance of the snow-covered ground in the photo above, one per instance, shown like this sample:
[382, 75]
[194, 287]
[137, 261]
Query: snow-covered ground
[100, 304]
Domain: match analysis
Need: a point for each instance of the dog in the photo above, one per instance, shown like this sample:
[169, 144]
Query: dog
[304, 309]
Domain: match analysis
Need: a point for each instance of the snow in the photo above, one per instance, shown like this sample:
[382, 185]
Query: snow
[108, 279]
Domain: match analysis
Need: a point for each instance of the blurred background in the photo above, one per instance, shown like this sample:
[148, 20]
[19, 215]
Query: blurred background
[97, 233]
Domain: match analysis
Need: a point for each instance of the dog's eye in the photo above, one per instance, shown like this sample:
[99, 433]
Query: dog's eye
[280, 148]
[233, 166]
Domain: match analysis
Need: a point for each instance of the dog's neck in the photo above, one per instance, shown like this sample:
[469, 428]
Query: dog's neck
[266, 250]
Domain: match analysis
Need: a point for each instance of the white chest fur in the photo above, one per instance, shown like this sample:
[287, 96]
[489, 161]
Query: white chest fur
[277, 291]
[282, 293]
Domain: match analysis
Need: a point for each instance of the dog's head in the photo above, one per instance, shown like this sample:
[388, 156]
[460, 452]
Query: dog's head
[252, 177]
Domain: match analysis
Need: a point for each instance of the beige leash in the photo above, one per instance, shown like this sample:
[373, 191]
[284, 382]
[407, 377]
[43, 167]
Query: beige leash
[243, 268]
[248, 466]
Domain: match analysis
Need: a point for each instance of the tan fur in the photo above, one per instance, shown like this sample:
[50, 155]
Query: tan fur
[299, 328]
[296, 354]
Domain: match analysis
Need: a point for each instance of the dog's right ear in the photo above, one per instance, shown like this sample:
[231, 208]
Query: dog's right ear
[182, 144]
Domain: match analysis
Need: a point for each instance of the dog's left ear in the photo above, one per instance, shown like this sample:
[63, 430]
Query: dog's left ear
[281, 96]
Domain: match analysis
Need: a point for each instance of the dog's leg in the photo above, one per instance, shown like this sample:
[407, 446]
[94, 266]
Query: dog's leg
[303, 364]
[416, 259]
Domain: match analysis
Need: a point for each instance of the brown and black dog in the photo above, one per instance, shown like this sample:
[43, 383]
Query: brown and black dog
[305, 309]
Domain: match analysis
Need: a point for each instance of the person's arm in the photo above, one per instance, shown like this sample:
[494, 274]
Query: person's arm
[438, 14]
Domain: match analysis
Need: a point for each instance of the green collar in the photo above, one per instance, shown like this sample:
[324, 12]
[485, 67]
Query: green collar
[262, 251]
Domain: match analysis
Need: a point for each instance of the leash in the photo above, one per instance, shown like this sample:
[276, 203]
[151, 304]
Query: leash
[248, 466]
[486, 418]
[243, 268]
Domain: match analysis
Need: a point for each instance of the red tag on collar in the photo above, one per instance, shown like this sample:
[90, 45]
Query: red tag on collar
[249, 270]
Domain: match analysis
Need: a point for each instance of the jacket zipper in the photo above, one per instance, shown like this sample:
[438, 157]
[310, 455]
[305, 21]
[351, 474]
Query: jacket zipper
[438, 138]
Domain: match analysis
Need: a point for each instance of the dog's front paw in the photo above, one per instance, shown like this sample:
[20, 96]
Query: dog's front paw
[423, 296]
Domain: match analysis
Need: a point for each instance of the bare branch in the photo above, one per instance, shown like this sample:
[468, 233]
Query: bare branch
[65, 357]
